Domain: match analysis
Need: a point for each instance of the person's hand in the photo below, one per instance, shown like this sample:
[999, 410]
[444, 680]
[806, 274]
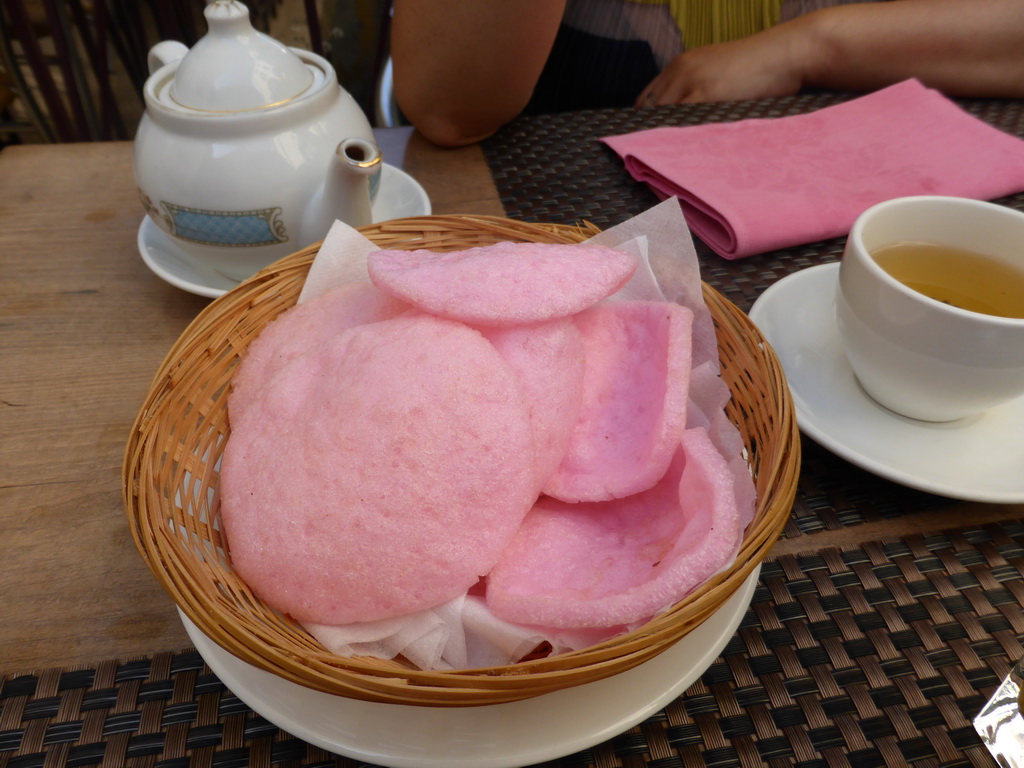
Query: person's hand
[763, 65]
[859, 47]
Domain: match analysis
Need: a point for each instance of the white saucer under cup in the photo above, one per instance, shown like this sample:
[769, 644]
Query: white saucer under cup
[980, 458]
[400, 196]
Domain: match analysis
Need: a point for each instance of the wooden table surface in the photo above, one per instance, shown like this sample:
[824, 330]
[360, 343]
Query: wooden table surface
[83, 326]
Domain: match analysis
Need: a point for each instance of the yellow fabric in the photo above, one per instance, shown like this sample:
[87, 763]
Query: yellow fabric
[717, 21]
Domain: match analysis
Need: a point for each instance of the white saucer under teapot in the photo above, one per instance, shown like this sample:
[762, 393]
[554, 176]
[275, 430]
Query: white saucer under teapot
[249, 150]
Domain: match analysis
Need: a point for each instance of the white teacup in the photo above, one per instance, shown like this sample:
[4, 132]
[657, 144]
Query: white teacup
[915, 355]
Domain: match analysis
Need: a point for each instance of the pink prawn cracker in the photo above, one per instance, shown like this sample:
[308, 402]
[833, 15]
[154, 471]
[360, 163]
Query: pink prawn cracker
[549, 359]
[380, 473]
[504, 283]
[633, 410]
[619, 562]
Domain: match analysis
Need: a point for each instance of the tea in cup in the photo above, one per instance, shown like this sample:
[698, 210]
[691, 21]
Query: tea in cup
[930, 305]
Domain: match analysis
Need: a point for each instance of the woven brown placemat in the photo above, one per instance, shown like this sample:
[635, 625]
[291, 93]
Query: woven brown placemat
[834, 494]
[877, 656]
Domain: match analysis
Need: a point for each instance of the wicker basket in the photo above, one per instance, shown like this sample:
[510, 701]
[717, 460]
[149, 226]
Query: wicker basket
[170, 481]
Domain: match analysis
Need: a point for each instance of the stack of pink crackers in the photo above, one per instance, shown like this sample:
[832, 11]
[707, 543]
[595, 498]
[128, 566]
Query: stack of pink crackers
[458, 456]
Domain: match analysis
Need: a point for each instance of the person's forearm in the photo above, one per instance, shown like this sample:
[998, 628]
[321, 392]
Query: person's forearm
[463, 68]
[963, 49]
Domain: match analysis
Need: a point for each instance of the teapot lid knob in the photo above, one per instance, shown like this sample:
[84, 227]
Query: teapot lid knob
[236, 68]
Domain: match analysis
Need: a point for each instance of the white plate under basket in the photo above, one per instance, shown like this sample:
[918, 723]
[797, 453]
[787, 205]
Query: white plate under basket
[498, 736]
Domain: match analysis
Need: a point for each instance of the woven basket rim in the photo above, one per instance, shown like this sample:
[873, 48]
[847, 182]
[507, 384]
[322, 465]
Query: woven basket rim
[212, 603]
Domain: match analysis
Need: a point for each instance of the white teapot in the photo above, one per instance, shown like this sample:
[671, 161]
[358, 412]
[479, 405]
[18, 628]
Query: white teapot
[249, 150]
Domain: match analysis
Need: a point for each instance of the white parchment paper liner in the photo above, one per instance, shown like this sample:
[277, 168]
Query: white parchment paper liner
[462, 633]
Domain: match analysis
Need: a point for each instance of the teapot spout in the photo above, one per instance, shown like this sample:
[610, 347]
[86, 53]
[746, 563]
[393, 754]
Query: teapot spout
[345, 195]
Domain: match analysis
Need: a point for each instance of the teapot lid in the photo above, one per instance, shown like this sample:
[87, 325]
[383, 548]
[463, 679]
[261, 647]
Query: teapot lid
[235, 68]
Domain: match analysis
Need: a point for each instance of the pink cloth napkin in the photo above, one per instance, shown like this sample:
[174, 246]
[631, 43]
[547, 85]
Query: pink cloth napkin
[757, 185]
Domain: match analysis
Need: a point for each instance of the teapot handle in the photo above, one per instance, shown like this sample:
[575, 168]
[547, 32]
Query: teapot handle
[164, 53]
